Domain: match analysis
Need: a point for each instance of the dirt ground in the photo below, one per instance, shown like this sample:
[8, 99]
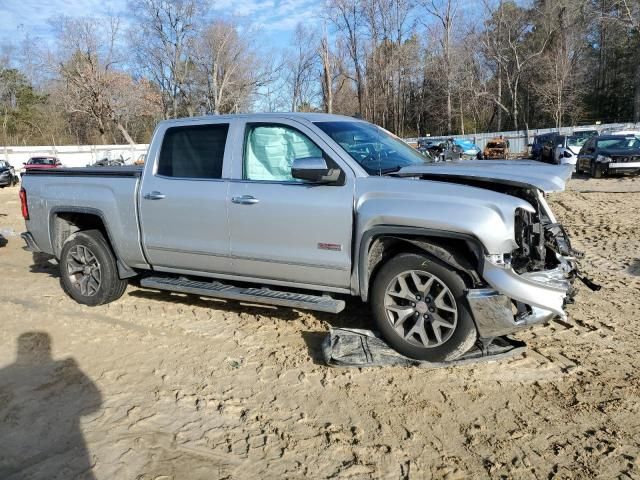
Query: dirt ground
[160, 386]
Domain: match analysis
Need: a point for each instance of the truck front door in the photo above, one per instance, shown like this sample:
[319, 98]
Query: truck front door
[282, 228]
[183, 199]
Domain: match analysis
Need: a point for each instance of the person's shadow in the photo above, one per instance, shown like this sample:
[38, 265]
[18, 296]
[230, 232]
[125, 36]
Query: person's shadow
[41, 402]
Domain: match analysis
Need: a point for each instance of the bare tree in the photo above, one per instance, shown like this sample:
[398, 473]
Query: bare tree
[348, 18]
[631, 16]
[514, 50]
[326, 80]
[445, 12]
[301, 65]
[90, 84]
[228, 72]
[560, 86]
[163, 39]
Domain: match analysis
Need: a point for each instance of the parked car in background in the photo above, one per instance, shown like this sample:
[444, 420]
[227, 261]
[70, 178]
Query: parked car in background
[287, 209]
[567, 148]
[538, 144]
[8, 177]
[497, 148]
[585, 133]
[440, 150]
[625, 132]
[607, 154]
[467, 147]
[40, 163]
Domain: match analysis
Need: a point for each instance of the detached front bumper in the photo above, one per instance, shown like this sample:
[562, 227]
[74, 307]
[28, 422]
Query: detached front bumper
[539, 296]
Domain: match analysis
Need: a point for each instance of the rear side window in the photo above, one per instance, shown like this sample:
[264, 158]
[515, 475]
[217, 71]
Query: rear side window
[193, 151]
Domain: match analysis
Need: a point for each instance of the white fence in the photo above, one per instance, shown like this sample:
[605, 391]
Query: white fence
[74, 155]
[518, 140]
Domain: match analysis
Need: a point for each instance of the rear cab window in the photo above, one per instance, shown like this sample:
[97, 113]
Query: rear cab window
[193, 151]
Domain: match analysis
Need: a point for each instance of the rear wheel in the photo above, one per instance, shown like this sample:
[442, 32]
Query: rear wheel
[88, 270]
[420, 309]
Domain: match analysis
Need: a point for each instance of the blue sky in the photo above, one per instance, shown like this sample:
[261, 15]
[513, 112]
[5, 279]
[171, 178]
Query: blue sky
[274, 20]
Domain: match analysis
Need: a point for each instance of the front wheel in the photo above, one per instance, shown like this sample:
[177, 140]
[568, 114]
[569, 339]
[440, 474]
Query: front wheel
[595, 170]
[420, 308]
[88, 270]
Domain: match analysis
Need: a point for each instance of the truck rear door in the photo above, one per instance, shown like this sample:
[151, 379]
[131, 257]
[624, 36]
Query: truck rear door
[183, 198]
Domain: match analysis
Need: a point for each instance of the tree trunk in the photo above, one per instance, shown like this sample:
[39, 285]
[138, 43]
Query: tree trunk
[124, 132]
[327, 82]
[499, 113]
[636, 96]
[461, 117]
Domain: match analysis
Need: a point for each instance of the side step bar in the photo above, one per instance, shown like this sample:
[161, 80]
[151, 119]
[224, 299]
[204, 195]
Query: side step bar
[249, 294]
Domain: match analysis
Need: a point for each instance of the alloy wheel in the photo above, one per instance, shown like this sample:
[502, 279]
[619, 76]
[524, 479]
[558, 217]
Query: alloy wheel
[84, 270]
[421, 308]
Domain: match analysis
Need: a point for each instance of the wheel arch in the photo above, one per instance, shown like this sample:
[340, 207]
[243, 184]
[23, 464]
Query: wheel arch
[65, 221]
[463, 252]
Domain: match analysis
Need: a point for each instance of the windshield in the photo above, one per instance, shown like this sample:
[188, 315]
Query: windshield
[620, 143]
[41, 161]
[586, 134]
[494, 145]
[375, 149]
[576, 141]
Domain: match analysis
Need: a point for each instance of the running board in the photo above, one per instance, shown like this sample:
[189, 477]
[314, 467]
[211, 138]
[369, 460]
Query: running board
[255, 295]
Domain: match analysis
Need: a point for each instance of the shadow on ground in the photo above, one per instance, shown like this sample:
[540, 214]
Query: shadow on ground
[355, 315]
[45, 263]
[41, 402]
[634, 268]
[3, 241]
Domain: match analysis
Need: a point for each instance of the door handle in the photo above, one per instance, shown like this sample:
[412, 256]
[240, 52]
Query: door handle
[154, 196]
[245, 200]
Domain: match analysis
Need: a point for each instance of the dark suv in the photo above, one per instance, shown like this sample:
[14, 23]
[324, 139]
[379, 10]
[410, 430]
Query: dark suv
[609, 154]
[538, 144]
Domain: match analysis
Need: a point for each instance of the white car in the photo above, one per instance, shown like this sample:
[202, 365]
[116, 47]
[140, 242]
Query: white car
[626, 132]
[567, 148]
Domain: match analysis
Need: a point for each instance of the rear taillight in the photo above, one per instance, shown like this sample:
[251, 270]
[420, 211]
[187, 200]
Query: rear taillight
[23, 204]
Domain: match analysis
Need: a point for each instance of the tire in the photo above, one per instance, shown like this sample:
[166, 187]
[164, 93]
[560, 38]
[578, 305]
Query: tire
[98, 281]
[594, 171]
[428, 331]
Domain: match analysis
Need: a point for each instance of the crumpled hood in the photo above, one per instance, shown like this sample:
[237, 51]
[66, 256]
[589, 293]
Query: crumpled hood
[521, 173]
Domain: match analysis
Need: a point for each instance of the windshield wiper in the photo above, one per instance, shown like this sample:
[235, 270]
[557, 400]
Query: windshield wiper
[390, 170]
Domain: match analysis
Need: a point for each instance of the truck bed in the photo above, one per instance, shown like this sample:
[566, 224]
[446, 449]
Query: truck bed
[108, 192]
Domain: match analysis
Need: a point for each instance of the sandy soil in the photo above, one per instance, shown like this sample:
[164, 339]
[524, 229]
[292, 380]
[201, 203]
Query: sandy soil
[169, 386]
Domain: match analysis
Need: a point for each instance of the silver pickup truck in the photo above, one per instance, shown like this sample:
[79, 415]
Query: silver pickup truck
[301, 209]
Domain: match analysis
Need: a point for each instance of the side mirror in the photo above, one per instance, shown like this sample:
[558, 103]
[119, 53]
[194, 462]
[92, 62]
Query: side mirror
[314, 170]
[529, 144]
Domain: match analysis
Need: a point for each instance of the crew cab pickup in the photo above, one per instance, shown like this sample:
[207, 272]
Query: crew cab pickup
[301, 210]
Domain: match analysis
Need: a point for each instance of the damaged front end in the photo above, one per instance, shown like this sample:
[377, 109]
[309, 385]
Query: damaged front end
[533, 283]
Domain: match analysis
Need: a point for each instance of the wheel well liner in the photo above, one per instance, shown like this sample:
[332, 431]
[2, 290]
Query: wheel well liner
[65, 221]
[462, 252]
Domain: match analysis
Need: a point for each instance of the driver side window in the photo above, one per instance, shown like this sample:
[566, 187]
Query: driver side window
[270, 150]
